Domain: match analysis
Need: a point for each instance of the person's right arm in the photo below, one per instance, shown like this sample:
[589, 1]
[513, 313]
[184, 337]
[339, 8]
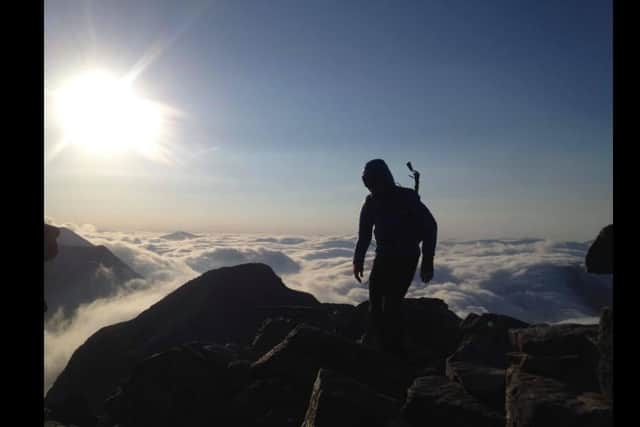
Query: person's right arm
[429, 240]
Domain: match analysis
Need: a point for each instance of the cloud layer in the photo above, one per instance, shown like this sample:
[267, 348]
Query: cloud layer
[530, 279]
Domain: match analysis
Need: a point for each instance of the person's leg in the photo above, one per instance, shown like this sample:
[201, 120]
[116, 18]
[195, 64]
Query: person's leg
[376, 297]
[404, 269]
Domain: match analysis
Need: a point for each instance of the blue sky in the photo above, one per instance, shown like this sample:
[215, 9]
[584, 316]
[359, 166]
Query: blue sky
[505, 108]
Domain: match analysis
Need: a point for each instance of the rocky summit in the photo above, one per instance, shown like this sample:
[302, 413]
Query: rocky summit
[236, 347]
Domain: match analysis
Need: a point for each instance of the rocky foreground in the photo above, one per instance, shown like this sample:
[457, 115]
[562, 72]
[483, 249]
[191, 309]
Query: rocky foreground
[236, 347]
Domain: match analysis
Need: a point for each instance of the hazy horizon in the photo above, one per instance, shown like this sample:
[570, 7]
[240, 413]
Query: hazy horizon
[80, 227]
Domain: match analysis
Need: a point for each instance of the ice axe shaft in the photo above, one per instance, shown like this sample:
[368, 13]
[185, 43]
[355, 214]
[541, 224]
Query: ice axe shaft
[415, 176]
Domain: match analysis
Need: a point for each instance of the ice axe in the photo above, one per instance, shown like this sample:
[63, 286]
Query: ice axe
[415, 176]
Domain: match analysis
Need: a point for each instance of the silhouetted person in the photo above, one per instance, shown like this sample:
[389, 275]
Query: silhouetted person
[51, 233]
[400, 221]
[599, 259]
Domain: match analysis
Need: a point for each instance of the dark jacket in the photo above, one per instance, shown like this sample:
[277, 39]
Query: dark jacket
[400, 221]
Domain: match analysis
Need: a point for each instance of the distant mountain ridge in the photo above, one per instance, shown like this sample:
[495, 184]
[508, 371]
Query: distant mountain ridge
[69, 238]
[223, 305]
[82, 273]
[179, 235]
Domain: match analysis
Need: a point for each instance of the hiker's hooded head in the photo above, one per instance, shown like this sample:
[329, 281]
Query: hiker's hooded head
[377, 176]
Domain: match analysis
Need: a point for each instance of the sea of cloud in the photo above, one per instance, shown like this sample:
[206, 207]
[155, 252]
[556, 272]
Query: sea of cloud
[534, 280]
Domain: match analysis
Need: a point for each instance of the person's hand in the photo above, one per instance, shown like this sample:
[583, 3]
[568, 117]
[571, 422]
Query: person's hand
[426, 270]
[357, 272]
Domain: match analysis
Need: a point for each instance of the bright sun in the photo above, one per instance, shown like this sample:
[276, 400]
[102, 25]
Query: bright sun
[104, 115]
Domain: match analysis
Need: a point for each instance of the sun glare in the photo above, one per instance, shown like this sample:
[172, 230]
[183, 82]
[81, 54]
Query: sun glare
[103, 115]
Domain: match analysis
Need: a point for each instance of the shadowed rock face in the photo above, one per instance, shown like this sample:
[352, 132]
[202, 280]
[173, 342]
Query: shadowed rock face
[533, 401]
[436, 402]
[339, 401]
[567, 353]
[599, 259]
[219, 306]
[186, 385]
[51, 235]
[307, 349]
[485, 339]
[479, 363]
[551, 340]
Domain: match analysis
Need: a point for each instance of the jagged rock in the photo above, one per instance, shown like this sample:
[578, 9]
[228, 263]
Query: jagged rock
[307, 349]
[339, 319]
[546, 344]
[605, 347]
[337, 400]
[436, 402]
[599, 259]
[573, 370]
[271, 402]
[186, 385]
[485, 339]
[272, 332]
[482, 382]
[220, 306]
[533, 401]
[480, 360]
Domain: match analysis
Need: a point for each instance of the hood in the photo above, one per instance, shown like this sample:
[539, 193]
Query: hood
[377, 176]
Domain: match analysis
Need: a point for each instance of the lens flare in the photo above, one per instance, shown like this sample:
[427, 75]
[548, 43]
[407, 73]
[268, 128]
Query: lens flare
[104, 115]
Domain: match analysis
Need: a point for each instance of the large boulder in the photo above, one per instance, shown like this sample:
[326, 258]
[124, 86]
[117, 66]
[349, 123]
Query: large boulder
[533, 401]
[566, 352]
[186, 385]
[605, 347]
[339, 401]
[573, 370]
[483, 382]
[553, 340]
[436, 402]
[480, 360]
[220, 306]
[307, 349]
